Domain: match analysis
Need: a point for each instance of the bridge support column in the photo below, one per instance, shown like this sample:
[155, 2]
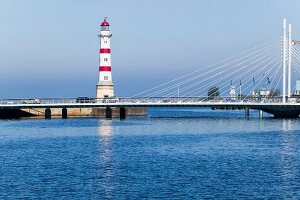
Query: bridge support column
[64, 113]
[122, 113]
[47, 113]
[247, 112]
[261, 113]
[108, 112]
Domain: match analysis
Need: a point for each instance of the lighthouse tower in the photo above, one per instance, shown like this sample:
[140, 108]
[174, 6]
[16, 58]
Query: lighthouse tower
[105, 86]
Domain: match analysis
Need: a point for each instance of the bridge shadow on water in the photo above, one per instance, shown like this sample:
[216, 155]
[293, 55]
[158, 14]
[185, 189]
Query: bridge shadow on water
[204, 113]
[13, 114]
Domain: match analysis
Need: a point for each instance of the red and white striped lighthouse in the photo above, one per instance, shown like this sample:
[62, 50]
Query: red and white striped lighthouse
[105, 86]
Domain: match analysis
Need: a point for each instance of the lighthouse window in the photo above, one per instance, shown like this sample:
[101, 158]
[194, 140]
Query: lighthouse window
[105, 42]
[105, 59]
[105, 78]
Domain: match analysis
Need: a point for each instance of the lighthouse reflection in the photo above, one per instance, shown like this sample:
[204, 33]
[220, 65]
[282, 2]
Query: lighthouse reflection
[106, 170]
[287, 125]
[105, 128]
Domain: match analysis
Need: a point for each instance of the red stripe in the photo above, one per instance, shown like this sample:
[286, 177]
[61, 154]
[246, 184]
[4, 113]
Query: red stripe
[104, 68]
[104, 50]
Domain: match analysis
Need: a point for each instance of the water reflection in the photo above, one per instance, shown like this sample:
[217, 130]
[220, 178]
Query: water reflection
[288, 169]
[286, 124]
[105, 128]
[105, 158]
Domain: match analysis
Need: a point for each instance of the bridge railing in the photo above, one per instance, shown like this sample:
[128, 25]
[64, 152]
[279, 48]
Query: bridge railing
[36, 101]
[79, 100]
[201, 99]
[141, 100]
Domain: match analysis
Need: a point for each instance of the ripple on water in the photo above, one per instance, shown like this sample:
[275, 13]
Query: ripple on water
[176, 157]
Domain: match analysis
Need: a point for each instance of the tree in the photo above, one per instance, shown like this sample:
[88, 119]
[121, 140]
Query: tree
[274, 93]
[213, 92]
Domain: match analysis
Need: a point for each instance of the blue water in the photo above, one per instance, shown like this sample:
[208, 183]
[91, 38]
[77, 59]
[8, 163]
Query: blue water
[185, 154]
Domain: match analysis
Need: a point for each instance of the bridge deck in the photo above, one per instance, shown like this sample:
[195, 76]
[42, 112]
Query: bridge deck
[273, 106]
[148, 104]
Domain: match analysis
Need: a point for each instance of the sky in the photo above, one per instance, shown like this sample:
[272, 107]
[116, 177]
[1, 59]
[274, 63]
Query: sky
[49, 48]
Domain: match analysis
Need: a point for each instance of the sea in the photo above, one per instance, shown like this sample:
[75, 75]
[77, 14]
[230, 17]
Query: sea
[169, 154]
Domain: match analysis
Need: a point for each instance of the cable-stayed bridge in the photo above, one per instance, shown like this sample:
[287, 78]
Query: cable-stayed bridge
[264, 77]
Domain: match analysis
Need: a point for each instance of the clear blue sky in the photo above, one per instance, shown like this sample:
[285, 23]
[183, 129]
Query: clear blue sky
[49, 48]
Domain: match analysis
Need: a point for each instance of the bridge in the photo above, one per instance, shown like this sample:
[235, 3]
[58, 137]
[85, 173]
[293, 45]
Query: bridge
[259, 78]
[273, 105]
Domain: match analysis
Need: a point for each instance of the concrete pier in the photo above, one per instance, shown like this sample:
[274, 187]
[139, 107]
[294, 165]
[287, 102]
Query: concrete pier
[108, 112]
[64, 113]
[261, 113]
[74, 112]
[247, 112]
[122, 113]
[47, 113]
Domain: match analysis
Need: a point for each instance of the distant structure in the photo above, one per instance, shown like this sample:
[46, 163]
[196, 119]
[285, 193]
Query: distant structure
[232, 91]
[297, 88]
[264, 92]
[105, 86]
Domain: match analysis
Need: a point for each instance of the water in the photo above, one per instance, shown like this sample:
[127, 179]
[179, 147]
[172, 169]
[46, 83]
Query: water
[192, 154]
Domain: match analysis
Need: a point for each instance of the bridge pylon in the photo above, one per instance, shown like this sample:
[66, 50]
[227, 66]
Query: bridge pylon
[284, 62]
[287, 43]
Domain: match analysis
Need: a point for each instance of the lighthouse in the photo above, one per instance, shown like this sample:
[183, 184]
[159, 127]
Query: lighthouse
[105, 86]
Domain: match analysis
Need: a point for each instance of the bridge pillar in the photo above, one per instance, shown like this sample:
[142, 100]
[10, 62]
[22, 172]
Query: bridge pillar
[47, 113]
[108, 112]
[247, 112]
[64, 113]
[122, 113]
[261, 113]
